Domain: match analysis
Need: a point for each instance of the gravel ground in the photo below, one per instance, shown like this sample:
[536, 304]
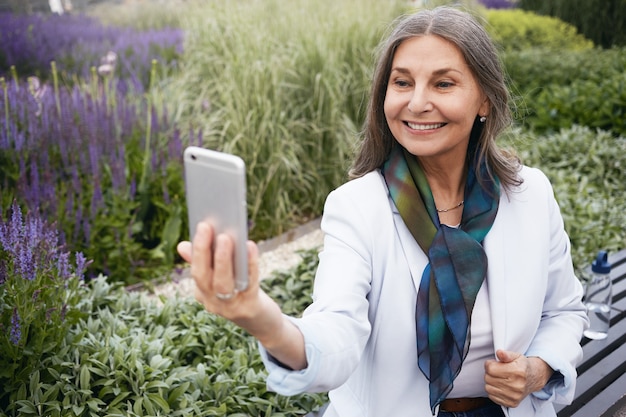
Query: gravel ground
[277, 254]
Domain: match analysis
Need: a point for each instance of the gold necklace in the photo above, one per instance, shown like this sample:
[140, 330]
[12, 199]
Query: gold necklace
[451, 208]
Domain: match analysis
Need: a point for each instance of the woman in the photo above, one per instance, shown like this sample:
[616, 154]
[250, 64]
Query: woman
[446, 283]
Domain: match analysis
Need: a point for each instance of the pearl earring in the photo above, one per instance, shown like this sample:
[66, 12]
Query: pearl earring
[483, 119]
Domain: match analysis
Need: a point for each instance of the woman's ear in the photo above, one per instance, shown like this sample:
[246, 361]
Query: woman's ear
[485, 108]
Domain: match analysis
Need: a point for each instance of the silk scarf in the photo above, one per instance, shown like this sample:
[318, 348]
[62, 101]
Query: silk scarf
[457, 264]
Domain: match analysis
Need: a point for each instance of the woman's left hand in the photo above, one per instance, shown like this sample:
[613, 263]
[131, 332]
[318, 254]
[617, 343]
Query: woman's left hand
[514, 376]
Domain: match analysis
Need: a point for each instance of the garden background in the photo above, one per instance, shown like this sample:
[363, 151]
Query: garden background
[97, 105]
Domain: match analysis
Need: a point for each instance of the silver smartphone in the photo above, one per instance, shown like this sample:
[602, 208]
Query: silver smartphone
[215, 186]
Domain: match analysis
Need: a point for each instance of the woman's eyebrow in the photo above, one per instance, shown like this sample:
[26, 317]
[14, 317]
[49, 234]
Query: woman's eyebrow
[441, 71]
[401, 70]
[444, 71]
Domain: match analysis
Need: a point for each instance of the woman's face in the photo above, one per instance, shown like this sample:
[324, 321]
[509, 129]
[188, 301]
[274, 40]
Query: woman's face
[432, 98]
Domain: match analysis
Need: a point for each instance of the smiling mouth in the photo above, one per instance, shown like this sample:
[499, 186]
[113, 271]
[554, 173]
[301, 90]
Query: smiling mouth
[430, 126]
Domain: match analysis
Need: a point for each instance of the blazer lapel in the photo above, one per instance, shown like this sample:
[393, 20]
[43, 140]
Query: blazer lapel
[495, 247]
[416, 258]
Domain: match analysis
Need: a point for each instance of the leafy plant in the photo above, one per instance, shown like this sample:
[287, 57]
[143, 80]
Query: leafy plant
[532, 70]
[292, 289]
[599, 20]
[516, 29]
[40, 286]
[599, 105]
[134, 355]
[587, 168]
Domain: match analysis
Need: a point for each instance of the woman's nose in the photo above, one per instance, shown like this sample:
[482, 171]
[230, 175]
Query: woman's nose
[420, 101]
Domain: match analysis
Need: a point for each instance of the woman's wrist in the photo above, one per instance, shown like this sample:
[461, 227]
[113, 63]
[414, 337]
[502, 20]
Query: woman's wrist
[279, 336]
[287, 346]
[262, 320]
[541, 373]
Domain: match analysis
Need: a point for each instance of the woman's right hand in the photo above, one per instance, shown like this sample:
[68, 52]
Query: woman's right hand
[213, 273]
[251, 309]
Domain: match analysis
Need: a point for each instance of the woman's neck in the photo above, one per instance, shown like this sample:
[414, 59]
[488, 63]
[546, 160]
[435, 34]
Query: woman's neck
[447, 184]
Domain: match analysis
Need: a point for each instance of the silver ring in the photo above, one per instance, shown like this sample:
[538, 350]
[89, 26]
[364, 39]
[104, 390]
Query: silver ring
[225, 297]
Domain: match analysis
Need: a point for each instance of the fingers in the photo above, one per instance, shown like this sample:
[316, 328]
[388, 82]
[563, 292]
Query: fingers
[202, 259]
[506, 379]
[506, 356]
[213, 270]
[508, 394]
[223, 278]
[253, 265]
[184, 250]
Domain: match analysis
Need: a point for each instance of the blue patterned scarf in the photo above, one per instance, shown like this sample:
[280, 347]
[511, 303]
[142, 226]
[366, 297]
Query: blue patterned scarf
[456, 269]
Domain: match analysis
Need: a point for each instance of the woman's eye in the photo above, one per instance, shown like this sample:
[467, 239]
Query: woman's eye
[444, 84]
[401, 83]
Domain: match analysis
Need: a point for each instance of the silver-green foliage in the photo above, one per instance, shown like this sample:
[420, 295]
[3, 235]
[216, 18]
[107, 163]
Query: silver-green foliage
[134, 355]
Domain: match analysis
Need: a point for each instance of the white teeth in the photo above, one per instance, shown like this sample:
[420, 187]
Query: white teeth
[424, 127]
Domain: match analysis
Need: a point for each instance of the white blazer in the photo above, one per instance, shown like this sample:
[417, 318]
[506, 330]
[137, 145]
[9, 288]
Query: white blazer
[360, 329]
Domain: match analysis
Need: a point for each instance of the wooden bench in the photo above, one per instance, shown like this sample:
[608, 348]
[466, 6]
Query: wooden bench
[601, 383]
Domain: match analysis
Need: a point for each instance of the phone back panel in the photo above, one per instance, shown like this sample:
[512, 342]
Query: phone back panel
[215, 184]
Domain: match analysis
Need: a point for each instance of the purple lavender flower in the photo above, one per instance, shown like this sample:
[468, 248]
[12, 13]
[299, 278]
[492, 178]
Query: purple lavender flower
[63, 265]
[25, 263]
[3, 271]
[90, 140]
[16, 329]
[4, 236]
[133, 188]
[14, 235]
[39, 277]
[81, 265]
[499, 4]
[30, 245]
[31, 42]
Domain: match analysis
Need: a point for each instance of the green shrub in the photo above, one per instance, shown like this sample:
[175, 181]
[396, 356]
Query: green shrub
[555, 90]
[515, 29]
[603, 21]
[533, 69]
[587, 168]
[594, 104]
